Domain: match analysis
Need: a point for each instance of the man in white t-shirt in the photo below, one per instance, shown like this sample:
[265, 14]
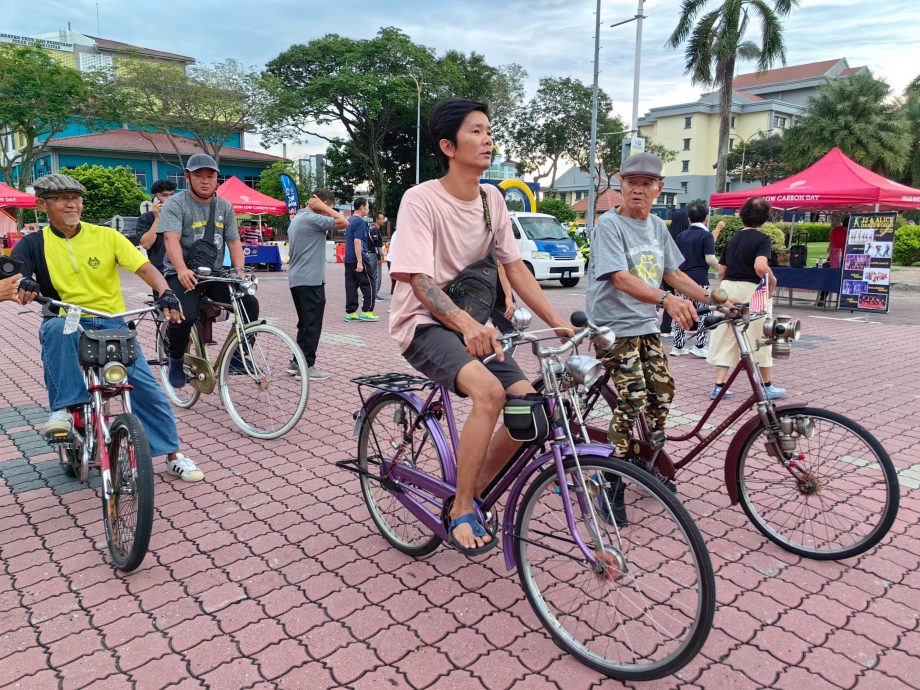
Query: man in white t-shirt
[442, 229]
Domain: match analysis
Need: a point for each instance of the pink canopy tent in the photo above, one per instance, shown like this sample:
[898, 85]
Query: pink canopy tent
[13, 198]
[245, 199]
[834, 182]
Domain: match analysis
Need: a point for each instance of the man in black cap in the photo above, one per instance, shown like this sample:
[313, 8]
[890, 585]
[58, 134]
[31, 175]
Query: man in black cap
[183, 220]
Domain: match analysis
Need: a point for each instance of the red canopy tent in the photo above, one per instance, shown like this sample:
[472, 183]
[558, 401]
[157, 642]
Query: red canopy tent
[245, 199]
[10, 197]
[834, 182]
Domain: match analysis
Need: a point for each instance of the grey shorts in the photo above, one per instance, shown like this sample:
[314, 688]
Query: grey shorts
[439, 353]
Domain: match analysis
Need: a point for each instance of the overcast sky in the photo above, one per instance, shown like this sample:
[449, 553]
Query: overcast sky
[546, 37]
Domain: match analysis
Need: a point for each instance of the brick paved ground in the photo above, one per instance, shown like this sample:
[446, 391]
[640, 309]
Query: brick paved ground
[270, 574]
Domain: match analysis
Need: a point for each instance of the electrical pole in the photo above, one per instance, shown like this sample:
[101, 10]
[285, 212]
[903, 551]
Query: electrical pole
[592, 156]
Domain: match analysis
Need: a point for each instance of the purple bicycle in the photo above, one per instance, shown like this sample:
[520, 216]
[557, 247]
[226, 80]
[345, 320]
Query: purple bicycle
[632, 597]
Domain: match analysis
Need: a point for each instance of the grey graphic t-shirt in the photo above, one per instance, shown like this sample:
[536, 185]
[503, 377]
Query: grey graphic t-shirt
[188, 218]
[646, 250]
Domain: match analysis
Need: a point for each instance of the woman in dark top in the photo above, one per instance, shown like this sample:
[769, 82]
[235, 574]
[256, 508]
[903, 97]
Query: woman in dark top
[680, 221]
[744, 263]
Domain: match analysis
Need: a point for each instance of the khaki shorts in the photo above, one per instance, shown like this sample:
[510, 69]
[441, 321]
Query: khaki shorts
[723, 348]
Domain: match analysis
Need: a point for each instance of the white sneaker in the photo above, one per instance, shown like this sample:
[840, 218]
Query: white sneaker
[680, 351]
[699, 352]
[184, 468]
[59, 426]
[316, 373]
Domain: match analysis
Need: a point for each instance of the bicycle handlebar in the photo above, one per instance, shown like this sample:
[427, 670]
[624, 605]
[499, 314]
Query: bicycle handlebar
[42, 299]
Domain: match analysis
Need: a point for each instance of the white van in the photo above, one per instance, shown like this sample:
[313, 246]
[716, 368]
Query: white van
[546, 248]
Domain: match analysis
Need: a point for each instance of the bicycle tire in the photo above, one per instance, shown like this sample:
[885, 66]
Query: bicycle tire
[127, 531]
[665, 564]
[859, 514]
[188, 395]
[266, 401]
[397, 525]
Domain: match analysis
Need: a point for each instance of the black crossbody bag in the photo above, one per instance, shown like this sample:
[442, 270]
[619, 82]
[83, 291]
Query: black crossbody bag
[475, 288]
[203, 253]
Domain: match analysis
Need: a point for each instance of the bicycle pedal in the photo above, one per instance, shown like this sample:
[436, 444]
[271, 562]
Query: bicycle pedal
[59, 437]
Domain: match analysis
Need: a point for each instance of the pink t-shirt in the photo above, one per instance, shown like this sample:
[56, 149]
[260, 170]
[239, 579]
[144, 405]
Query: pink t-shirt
[440, 235]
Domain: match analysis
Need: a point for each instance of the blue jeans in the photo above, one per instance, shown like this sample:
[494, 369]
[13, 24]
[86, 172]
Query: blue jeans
[64, 381]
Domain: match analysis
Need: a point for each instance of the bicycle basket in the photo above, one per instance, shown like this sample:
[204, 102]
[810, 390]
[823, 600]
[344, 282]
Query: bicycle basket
[526, 418]
[99, 347]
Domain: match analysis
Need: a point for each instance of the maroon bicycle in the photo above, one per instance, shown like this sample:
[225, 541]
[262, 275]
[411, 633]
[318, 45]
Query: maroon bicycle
[811, 480]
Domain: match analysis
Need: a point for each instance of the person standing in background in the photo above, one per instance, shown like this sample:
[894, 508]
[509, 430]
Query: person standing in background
[679, 223]
[698, 248]
[147, 224]
[375, 249]
[357, 268]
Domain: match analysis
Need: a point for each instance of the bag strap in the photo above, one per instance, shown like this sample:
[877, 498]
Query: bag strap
[485, 211]
[210, 230]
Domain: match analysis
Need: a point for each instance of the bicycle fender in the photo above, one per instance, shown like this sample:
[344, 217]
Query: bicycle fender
[733, 455]
[517, 489]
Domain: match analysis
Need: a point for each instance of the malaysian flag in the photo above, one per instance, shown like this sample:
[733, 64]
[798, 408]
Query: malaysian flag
[759, 298]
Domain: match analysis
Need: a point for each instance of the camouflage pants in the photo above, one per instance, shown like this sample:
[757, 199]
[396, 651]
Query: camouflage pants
[639, 373]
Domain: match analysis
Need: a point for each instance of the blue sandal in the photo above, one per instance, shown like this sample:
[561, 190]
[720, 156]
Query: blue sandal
[478, 531]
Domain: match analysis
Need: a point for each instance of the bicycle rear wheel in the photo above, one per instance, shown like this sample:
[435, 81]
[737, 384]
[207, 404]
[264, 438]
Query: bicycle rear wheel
[188, 395]
[128, 514]
[846, 502]
[650, 613]
[391, 426]
[260, 396]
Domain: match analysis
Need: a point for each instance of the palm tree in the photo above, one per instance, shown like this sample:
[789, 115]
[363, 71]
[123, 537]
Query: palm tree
[859, 115]
[912, 110]
[716, 42]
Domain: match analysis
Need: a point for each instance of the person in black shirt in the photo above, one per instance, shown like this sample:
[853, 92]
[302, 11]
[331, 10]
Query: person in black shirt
[679, 222]
[147, 223]
[698, 247]
[742, 267]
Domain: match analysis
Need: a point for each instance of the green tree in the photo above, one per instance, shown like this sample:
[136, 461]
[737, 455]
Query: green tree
[859, 115]
[557, 208]
[762, 159]
[716, 41]
[912, 112]
[270, 181]
[38, 98]
[109, 191]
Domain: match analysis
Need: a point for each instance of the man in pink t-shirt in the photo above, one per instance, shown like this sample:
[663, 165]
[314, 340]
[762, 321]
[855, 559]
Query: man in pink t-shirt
[442, 229]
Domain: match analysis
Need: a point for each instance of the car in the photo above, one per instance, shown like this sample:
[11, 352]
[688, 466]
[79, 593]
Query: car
[547, 249]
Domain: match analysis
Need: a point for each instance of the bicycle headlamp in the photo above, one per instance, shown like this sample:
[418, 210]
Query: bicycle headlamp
[114, 373]
[250, 287]
[584, 369]
[781, 331]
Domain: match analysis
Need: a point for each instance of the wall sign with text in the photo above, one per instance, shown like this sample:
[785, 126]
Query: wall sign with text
[865, 280]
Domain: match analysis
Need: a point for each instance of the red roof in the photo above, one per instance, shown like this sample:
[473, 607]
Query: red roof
[14, 198]
[606, 200]
[774, 76]
[119, 47]
[834, 182]
[132, 141]
[245, 199]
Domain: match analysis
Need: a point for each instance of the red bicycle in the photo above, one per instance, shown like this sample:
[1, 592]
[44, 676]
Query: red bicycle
[811, 480]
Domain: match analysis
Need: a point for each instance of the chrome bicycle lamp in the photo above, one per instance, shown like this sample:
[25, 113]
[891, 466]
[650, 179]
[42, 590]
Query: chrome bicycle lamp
[584, 369]
[114, 373]
[250, 287]
[781, 332]
[521, 319]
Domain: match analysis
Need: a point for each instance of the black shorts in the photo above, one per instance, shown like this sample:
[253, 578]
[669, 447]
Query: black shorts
[439, 353]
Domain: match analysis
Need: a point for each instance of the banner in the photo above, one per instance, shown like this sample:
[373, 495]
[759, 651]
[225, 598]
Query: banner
[291, 197]
[865, 278]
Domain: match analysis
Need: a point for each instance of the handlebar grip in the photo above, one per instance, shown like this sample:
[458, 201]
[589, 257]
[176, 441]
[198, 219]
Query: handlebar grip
[711, 320]
[41, 299]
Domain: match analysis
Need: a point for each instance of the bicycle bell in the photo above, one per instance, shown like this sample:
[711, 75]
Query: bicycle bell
[781, 331]
[605, 338]
[521, 319]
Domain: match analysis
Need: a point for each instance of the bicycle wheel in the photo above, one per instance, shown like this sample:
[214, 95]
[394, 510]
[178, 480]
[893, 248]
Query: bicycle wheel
[186, 396]
[128, 514]
[651, 612]
[260, 396]
[847, 500]
[391, 426]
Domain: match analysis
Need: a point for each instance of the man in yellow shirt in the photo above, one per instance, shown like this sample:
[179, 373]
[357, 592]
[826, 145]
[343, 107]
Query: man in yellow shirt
[78, 262]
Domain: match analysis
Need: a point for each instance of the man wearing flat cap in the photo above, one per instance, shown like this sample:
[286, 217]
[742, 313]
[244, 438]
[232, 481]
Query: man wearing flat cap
[76, 262]
[631, 252]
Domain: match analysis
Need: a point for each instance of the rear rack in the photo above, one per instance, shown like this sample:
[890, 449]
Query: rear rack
[394, 381]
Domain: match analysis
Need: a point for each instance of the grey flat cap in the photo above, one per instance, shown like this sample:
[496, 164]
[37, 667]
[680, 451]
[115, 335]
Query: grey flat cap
[200, 161]
[52, 184]
[642, 165]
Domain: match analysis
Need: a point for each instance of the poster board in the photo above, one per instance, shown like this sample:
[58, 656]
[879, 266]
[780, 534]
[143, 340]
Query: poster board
[865, 278]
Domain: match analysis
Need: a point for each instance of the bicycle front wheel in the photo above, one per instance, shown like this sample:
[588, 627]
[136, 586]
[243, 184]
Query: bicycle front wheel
[128, 514]
[650, 610]
[260, 396]
[845, 498]
[391, 428]
[188, 395]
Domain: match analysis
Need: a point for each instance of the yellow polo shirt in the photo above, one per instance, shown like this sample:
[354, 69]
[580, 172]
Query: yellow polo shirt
[84, 269]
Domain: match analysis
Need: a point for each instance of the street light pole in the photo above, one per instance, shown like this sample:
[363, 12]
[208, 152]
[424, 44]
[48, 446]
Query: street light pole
[418, 124]
[635, 104]
[592, 155]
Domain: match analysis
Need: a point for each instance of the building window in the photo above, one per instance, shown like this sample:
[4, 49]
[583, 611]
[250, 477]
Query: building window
[684, 187]
[685, 166]
[178, 179]
[733, 120]
[252, 181]
[688, 121]
[779, 121]
[141, 177]
[731, 143]
[686, 144]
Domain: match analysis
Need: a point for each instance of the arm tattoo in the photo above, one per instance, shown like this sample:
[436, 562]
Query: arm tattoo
[434, 297]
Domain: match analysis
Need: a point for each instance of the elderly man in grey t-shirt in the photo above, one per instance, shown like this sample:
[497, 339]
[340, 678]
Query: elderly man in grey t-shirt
[307, 273]
[631, 252]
